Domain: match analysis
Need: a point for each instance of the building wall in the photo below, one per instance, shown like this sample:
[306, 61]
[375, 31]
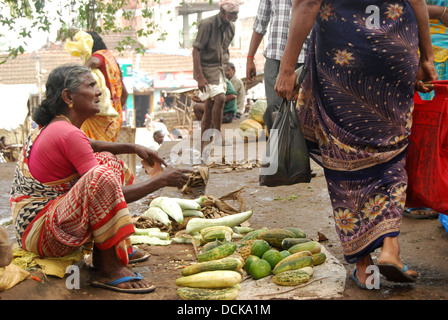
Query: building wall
[166, 57]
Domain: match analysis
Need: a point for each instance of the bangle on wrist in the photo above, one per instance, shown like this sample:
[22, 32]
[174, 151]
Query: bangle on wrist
[443, 13]
[253, 58]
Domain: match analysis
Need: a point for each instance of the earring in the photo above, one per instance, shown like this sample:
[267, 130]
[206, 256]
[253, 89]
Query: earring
[70, 105]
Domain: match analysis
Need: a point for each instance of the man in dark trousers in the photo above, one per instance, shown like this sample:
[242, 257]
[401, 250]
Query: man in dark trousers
[210, 57]
[272, 16]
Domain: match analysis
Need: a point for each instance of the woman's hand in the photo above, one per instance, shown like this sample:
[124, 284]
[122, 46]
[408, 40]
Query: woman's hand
[150, 156]
[169, 177]
[173, 177]
[426, 72]
[444, 19]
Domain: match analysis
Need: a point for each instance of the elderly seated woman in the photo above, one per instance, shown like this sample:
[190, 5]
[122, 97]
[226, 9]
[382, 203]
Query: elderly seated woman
[69, 190]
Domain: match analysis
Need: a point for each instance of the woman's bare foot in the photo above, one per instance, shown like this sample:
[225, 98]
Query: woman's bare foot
[361, 267]
[390, 254]
[108, 268]
[138, 256]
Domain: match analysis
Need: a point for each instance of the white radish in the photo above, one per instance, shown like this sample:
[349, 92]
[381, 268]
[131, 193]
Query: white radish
[157, 214]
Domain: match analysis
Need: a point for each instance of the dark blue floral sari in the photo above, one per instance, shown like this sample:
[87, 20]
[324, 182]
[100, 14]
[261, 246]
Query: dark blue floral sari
[355, 105]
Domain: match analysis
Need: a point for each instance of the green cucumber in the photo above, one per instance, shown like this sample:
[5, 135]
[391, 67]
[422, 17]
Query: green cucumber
[227, 263]
[293, 264]
[312, 246]
[219, 252]
[289, 242]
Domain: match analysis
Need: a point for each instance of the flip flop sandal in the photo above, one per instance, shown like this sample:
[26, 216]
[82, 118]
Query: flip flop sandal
[353, 277]
[112, 285]
[144, 258]
[394, 273]
[429, 215]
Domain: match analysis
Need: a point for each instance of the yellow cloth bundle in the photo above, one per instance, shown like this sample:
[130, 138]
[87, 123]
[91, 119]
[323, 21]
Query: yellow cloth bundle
[50, 266]
[12, 275]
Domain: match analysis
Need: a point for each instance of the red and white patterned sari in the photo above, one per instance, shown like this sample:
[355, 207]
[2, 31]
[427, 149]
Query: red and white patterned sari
[54, 219]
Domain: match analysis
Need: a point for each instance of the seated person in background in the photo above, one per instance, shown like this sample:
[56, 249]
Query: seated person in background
[230, 106]
[159, 136]
[5, 149]
[238, 85]
[69, 190]
[159, 125]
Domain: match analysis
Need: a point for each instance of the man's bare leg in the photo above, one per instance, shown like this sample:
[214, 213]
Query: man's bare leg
[218, 106]
[206, 121]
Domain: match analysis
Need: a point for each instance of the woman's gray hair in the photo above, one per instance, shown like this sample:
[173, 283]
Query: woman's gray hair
[63, 77]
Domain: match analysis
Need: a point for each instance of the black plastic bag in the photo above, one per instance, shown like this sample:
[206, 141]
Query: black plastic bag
[287, 160]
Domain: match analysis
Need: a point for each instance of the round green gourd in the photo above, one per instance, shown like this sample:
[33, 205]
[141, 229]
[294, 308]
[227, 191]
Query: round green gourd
[273, 257]
[249, 261]
[259, 247]
[260, 269]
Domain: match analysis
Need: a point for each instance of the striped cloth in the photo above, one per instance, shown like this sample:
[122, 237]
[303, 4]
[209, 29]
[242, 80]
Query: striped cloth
[278, 14]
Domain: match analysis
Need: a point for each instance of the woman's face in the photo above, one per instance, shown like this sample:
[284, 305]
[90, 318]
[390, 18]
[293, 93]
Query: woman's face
[86, 99]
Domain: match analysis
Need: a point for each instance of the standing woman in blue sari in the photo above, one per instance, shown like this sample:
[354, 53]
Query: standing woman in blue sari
[355, 106]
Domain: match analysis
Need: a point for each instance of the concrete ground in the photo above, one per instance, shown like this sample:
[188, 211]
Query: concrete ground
[424, 243]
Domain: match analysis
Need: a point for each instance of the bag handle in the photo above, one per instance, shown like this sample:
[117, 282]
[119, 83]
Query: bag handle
[289, 105]
[440, 91]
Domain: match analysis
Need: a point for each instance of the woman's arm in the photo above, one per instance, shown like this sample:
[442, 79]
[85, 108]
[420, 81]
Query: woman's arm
[438, 12]
[421, 13]
[426, 70]
[170, 177]
[124, 94]
[145, 153]
[303, 15]
[92, 62]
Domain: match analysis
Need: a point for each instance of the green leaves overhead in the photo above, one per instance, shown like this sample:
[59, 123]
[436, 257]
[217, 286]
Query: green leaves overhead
[68, 16]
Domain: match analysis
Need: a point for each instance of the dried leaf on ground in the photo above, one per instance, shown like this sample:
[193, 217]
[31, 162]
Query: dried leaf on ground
[197, 181]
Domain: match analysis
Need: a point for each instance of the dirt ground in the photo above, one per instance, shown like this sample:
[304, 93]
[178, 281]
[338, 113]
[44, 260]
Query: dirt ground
[424, 243]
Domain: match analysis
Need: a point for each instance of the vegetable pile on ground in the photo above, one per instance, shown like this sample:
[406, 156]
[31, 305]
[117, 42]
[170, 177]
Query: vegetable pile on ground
[252, 128]
[162, 213]
[217, 274]
[286, 253]
[165, 214]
